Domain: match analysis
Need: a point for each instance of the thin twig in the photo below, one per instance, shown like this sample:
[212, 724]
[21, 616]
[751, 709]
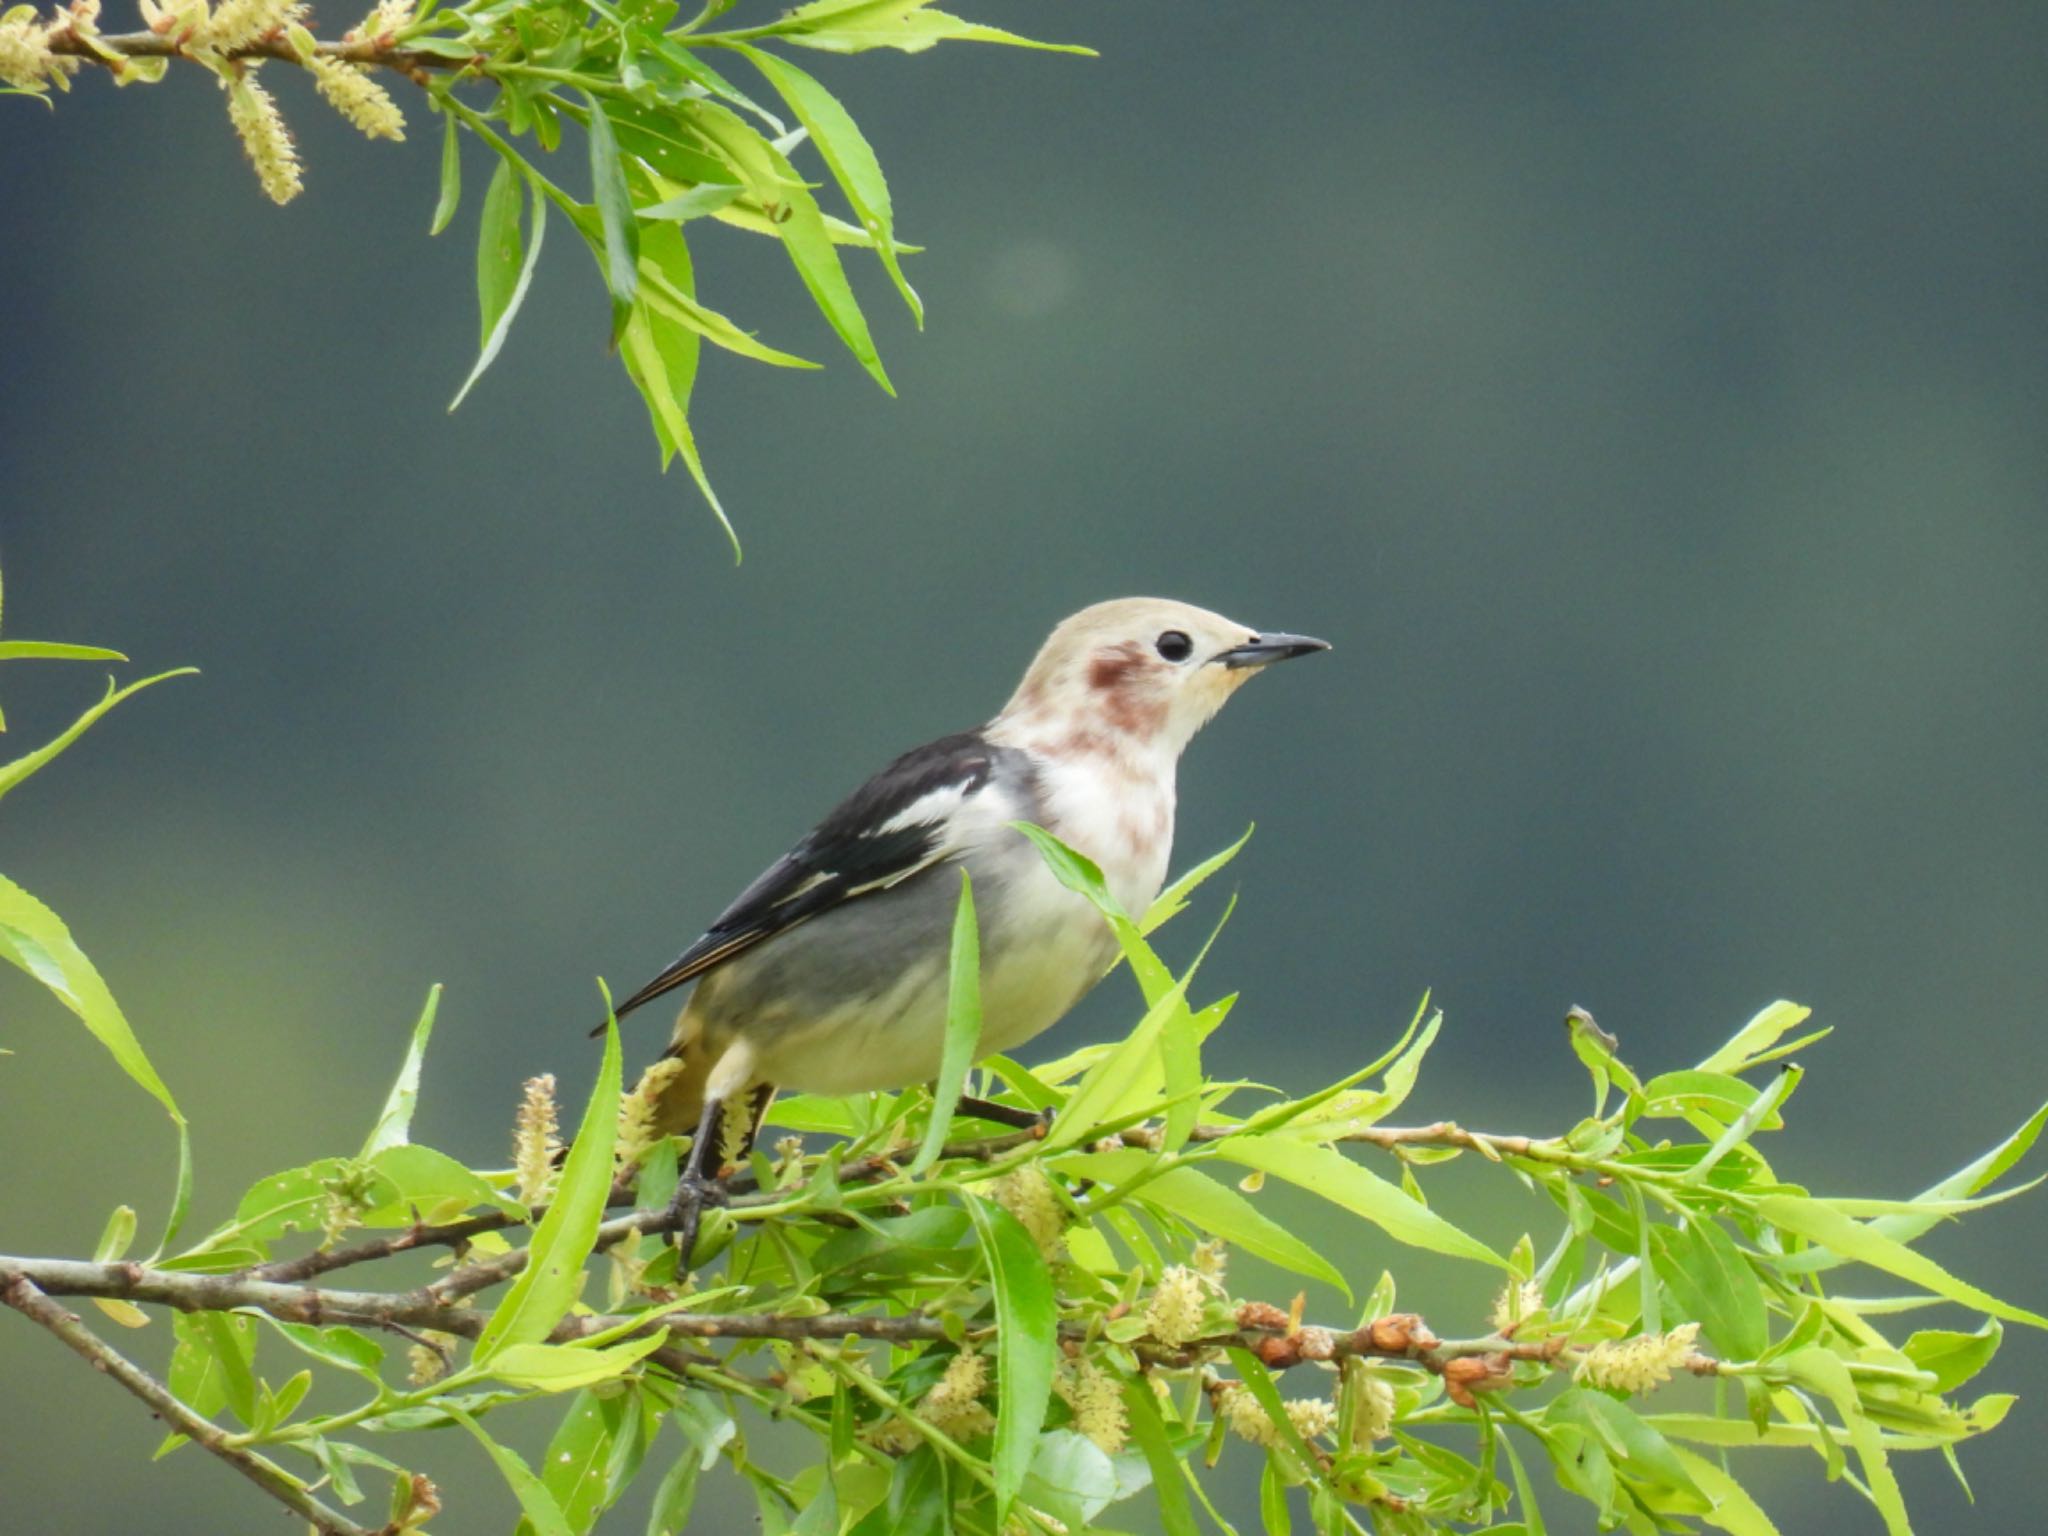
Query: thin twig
[20, 1293]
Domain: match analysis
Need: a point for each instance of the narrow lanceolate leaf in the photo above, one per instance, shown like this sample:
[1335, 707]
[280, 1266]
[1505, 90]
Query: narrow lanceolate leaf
[566, 1367]
[1104, 1086]
[1027, 1319]
[1326, 1172]
[848, 155]
[661, 359]
[502, 274]
[835, 26]
[800, 226]
[1818, 1223]
[963, 1026]
[539, 1506]
[12, 774]
[547, 1287]
[1176, 1510]
[55, 650]
[615, 215]
[1757, 1037]
[1174, 899]
[35, 938]
[394, 1125]
[1827, 1373]
[451, 178]
[1734, 1510]
[1714, 1284]
[1210, 1207]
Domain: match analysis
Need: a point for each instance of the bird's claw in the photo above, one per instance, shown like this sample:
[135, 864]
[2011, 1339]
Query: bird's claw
[686, 1209]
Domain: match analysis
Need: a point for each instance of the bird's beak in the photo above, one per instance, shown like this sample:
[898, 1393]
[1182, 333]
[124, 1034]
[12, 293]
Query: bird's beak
[1263, 650]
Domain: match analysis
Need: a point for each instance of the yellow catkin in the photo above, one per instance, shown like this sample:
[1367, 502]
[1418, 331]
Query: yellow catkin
[424, 1366]
[1027, 1194]
[1515, 1303]
[1638, 1364]
[1211, 1259]
[535, 1142]
[254, 113]
[953, 1407]
[237, 23]
[1174, 1315]
[390, 18]
[640, 1110]
[26, 62]
[1310, 1416]
[351, 92]
[1097, 1401]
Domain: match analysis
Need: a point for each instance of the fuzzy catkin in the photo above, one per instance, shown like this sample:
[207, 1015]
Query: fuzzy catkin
[253, 111]
[535, 1143]
[351, 92]
[1638, 1364]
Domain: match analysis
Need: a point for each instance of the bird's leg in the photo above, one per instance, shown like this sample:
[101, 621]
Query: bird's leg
[1004, 1114]
[697, 1187]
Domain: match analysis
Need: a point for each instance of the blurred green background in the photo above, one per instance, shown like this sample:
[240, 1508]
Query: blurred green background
[1648, 401]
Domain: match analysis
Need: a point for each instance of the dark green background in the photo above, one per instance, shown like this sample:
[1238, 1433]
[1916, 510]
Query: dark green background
[1648, 401]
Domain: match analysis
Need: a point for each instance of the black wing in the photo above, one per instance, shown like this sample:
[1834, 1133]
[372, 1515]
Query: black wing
[846, 855]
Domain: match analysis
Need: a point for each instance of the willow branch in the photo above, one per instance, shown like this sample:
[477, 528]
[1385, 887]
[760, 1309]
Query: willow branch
[1278, 1339]
[369, 52]
[22, 1294]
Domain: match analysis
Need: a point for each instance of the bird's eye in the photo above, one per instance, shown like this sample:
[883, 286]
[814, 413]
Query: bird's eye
[1174, 646]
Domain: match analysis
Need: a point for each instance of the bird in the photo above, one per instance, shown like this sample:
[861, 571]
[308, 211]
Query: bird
[829, 973]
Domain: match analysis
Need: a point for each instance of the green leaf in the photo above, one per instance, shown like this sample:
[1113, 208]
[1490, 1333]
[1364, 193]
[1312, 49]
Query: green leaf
[566, 1367]
[1746, 1124]
[1101, 1091]
[341, 1347]
[908, 25]
[115, 1237]
[1952, 1357]
[693, 204]
[548, 1286]
[451, 177]
[917, 1504]
[848, 155]
[1172, 901]
[539, 1505]
[52, 650]
[502, 275]
[621, 255]
[1212, 1208]
[1326, 1172]
[1027, 1342]
[394, 1125]
[1733, 1511]
[1757, 1037]
[963, 1026]
[428, 1184]
[801, 228]
[14, 773]
[1071, 1478]
[1141, 1408]
[673, 1498]
[1815, 1222]
[35, 939]
[1713, 1284]
[1828, 1374]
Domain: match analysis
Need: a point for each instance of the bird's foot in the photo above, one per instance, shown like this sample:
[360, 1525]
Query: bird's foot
[1038, 1120]
[694, 1192]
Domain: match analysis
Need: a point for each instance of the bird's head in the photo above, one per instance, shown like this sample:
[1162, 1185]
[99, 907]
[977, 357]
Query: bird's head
[1139, 672]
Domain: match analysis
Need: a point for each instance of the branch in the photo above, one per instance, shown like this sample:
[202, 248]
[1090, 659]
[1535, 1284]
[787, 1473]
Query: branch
[20, 1293]
[1273, 1335]
[369, 52]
